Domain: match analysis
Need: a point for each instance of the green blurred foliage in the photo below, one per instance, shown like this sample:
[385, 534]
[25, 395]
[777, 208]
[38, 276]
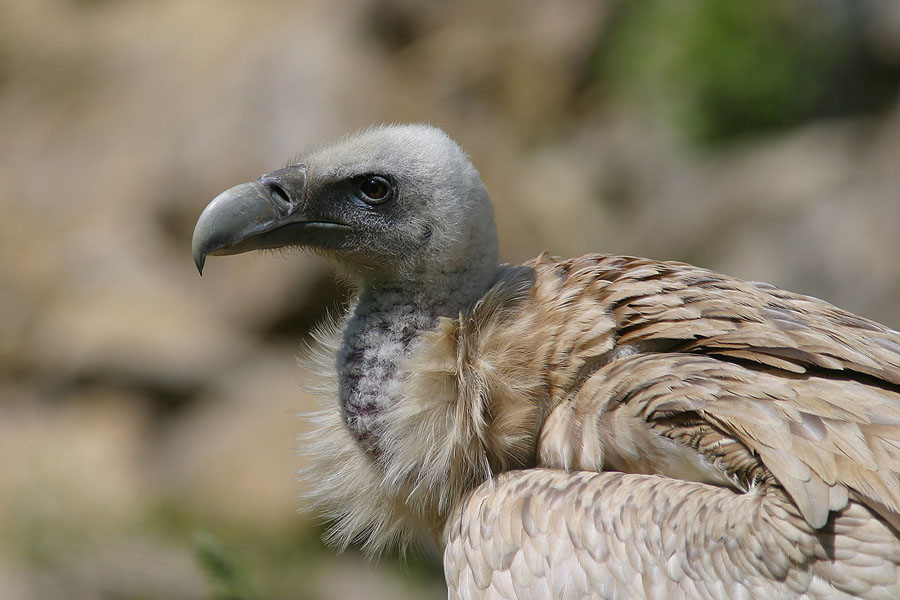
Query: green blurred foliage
[240, 561]
[723, 69]
[225, 572]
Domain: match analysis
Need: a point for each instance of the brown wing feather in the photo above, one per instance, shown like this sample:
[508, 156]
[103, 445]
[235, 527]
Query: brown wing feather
[819, 438]
[699, 311]
[731, 382]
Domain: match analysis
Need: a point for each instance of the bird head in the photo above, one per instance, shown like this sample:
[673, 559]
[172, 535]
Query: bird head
[389, 204]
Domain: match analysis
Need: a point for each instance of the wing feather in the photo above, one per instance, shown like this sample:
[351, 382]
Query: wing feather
[727, 382]
[697, 310]
[693, 417]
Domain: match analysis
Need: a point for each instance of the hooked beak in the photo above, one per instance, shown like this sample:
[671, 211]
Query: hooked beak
[270, 212]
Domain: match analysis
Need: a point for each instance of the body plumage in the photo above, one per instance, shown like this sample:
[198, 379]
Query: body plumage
[602, 426]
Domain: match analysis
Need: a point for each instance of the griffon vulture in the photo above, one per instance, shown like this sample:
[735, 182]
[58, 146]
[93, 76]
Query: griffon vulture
[601, 426]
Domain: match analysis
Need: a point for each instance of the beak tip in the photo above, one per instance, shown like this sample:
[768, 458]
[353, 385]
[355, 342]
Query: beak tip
[200, 261]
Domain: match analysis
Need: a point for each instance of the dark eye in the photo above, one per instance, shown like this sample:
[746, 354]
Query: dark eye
[375, 189]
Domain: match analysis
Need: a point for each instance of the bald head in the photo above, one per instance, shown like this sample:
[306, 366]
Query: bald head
[391, 203]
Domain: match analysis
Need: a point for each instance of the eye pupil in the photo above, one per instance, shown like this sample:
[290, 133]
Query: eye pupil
[375, 188]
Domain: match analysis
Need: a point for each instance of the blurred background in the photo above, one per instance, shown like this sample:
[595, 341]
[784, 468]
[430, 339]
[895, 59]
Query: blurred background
[148, 416]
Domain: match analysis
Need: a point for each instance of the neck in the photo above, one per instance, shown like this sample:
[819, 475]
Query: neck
[387, 320]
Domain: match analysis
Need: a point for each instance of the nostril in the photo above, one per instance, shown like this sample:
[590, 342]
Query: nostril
[278, 192]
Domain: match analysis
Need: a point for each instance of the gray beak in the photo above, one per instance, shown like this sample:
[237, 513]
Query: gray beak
[267, 213]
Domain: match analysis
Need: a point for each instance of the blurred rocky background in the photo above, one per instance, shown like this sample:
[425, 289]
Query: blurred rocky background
[147, 416]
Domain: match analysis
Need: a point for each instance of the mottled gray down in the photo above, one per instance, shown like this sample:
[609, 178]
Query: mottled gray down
[603, 426]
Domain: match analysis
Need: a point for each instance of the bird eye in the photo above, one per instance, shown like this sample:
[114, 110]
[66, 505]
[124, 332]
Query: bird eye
[375, 189]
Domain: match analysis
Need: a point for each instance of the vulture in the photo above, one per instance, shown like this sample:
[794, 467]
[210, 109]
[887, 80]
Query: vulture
[594, 427]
